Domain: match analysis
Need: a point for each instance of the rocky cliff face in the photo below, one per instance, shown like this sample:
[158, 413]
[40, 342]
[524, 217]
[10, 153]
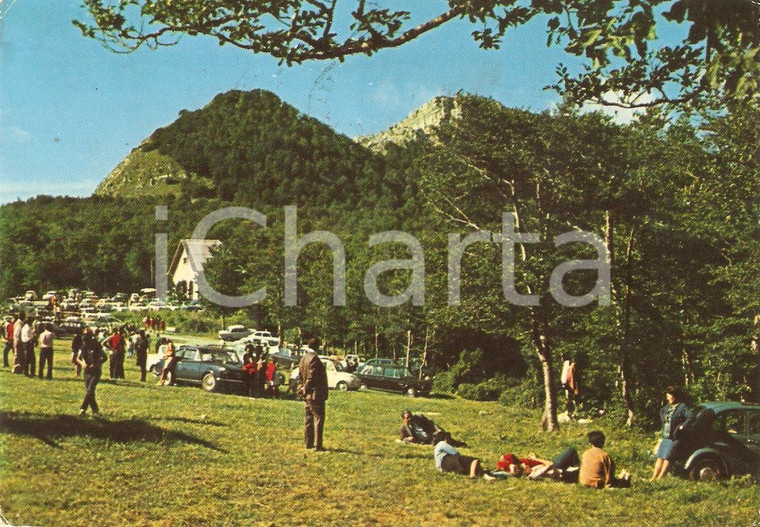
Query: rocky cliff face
[426, 119]
[143, 173]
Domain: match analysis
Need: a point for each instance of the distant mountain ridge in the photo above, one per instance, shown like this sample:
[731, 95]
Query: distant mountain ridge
[251, 145]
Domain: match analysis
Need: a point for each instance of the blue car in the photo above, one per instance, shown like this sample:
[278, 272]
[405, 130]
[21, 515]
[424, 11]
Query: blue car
[213, 369]
[722, 440]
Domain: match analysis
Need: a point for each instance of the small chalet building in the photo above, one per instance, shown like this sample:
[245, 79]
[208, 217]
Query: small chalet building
[187, 264]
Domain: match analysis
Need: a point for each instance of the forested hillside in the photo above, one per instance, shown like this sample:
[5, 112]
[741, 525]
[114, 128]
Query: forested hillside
[251, 147]
[673, 201]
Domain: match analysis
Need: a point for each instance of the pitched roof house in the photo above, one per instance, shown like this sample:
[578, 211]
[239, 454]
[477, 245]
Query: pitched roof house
[188, 262]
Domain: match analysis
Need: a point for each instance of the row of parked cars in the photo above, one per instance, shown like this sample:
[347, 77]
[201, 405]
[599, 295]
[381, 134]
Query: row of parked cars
[220, 368]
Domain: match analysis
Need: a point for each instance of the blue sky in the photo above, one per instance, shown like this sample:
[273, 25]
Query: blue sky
[70, 110]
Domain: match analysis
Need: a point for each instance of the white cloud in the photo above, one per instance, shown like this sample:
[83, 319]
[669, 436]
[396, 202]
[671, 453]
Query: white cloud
[619, 115]
[14, 134]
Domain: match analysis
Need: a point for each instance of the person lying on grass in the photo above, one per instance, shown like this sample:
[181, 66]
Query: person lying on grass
[448, 459]
[563, 467]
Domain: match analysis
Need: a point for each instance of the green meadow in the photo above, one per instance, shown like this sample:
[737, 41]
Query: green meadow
[177, 456]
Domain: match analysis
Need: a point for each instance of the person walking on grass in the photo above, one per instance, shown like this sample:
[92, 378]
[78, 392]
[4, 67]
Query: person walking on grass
[46, 351]
[90, 358]
[312, 388]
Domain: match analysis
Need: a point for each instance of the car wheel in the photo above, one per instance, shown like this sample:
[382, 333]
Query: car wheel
[154, 370]
[411, 391]
[363, 387]
[342, 386]
[208, 382]
[706, 469]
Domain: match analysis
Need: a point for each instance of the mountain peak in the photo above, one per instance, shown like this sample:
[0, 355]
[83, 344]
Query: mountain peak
[425, 120]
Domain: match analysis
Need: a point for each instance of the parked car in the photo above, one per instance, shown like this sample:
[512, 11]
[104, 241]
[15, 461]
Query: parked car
[70, 326]
[211, 368]
[263, 338]
[722, 439]
[337, 378]
[287, 358]
[393, 377]
[235, 332]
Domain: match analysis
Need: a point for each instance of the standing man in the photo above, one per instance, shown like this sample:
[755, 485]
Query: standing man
[19, 352]
[141, 350]
[27, 344]
[8, 342]
[313, 390]
[116, 344]
[46, 351]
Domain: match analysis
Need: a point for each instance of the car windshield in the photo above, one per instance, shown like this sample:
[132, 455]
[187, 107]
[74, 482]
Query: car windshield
[219, 356]
[338, 365]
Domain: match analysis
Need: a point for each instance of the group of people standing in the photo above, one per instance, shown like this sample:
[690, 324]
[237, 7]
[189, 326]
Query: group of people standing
[22, 335]
[260, 370]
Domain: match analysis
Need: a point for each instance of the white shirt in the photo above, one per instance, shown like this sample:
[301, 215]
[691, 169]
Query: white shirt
[46, 339]
[27, 335]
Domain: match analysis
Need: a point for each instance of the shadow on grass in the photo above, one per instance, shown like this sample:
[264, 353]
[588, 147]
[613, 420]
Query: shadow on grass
[189, 421]
[50, 428]
[439, 396]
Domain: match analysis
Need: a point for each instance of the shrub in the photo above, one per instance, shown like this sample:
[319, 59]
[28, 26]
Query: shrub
[526, 394]
[488, 390]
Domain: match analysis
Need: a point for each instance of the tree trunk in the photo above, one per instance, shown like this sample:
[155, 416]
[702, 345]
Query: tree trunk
[549, 421]
[424, 352]
[625, 361]
[408, 346]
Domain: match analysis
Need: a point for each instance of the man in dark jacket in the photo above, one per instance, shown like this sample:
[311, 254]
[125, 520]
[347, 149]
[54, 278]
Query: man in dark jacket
[417, 428]
[313, 390]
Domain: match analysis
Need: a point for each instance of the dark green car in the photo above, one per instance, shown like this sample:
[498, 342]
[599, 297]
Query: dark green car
[722, 440]
[393, 377]
[213, 369]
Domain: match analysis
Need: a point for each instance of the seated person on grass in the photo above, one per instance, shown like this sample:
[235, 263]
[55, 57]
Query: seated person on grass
[597, 469]
[563, 467]
[417, 428]
[448, 459]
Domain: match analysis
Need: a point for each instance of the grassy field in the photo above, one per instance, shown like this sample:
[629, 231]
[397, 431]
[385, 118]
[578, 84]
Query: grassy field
[176, 456]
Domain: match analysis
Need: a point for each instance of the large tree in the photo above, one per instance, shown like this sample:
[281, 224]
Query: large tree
[716, 49]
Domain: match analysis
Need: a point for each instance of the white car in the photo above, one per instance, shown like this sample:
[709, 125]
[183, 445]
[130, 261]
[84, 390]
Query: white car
[263, 338]
[337, 378]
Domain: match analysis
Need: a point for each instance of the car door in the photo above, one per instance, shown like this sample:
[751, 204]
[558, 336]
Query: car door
[391, 378]
[371, 376]
[734, 444]
[188, 367]
[752, 439]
